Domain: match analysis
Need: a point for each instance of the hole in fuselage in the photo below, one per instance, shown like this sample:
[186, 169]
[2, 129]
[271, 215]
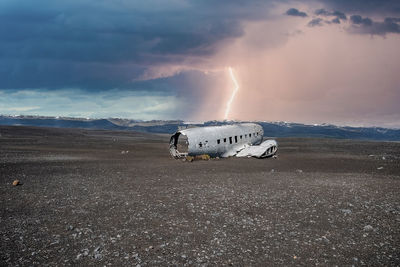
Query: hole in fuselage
[179, 145]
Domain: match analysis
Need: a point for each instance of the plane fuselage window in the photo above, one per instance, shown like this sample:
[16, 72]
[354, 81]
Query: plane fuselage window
[241, 137]
[218, 141]
[249, 135]
[235, 138]
[230, 140]
[245, 136]
[200, 145]
[224, 140]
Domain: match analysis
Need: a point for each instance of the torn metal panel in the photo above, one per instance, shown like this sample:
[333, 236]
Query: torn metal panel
[266, 149]
[222, 141]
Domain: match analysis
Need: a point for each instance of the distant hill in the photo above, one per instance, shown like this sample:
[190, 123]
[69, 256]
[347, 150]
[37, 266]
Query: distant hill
[272, 129]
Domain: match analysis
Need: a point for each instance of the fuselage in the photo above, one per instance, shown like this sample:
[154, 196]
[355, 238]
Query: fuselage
[218, 140]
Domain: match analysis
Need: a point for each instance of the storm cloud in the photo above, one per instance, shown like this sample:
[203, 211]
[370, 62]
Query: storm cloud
[315, 22]
[368, 26]
[98, 45]
[337, 14]
[357, 19]
[295, 12]
[101, 44]
[368, 7]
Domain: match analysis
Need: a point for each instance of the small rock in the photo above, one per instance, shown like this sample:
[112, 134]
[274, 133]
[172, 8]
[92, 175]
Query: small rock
[325, 239]
[85, 252]
[346, 211]
[368, 228]
[97, 255]
[299, 171]
[379, 168]
[16, 182]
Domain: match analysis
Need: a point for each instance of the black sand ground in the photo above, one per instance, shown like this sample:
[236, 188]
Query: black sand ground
[85, 200]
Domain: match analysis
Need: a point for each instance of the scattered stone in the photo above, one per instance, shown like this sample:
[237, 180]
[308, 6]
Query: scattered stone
[346, 211]
[299, 171]
[368, 228]
[124, 152]
[325, 239]
[85, 252]
[16, 182]
[96, 253]
[272, 170]
[379, 168]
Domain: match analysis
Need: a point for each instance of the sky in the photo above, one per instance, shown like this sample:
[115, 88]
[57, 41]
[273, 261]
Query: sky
[322, 61]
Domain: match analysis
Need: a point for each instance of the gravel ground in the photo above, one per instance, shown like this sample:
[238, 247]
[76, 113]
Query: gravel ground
[118, 198]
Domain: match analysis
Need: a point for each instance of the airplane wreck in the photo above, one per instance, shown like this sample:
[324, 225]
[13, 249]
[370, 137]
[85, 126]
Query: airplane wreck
[240, 140]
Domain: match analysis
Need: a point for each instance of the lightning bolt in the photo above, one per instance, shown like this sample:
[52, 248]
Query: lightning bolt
[228, 104]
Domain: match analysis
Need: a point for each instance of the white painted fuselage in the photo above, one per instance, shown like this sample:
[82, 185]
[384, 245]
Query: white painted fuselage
[223, 141]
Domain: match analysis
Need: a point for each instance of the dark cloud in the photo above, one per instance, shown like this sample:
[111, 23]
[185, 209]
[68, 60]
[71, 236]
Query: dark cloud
[295, 12]
[339, 15]
[315, 22]
[91, 44]
[364, 25]
[321, 12]
[360, 24]
[379, 7]
[357, 19]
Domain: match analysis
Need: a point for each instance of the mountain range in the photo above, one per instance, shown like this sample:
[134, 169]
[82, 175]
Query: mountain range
[271, 129]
